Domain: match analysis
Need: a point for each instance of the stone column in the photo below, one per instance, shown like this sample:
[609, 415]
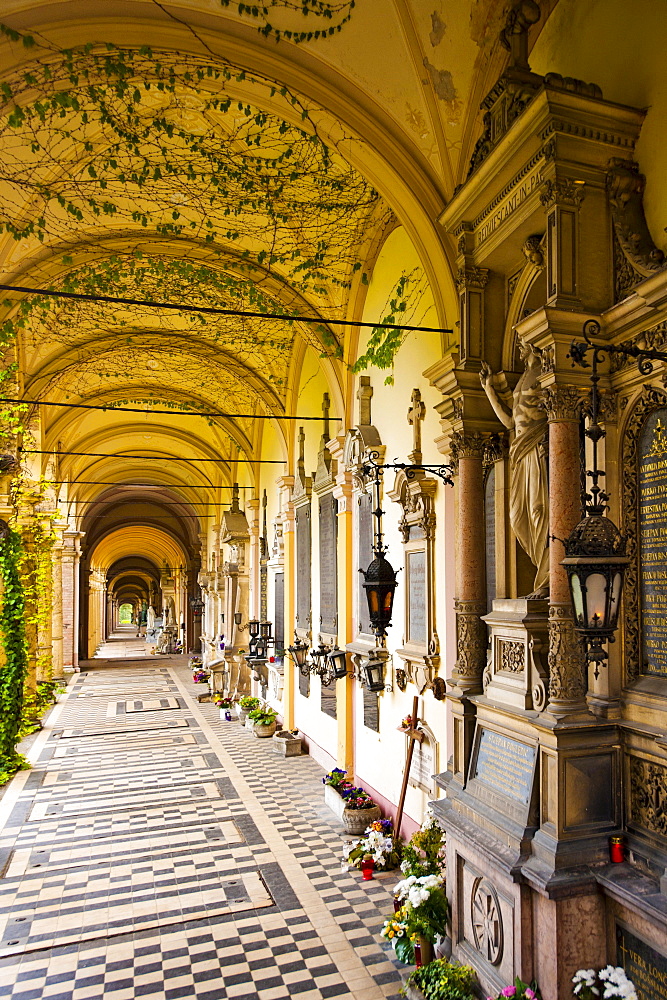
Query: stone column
[567, 664]
[251, 508]
[70, 598]
[285, 484]
[57, 604]
[470, 604]
[345, 687]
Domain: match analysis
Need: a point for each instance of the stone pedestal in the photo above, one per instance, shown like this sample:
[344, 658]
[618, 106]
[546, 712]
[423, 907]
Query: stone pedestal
[517, 674]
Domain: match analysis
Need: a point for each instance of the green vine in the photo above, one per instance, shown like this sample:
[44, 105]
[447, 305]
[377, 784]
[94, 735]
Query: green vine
[333, 15]
[14, 670]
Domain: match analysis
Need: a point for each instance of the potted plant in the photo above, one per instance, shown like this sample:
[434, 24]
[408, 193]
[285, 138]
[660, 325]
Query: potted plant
[377, 851]
[441, 980]
[421, 917]
[360, 809]
[225, 706]
[263, 721]
[244, 705]
[610, 983]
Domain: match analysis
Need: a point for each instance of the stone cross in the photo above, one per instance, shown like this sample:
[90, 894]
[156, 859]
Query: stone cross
[416, 414]
[364, 395]
[326, 406]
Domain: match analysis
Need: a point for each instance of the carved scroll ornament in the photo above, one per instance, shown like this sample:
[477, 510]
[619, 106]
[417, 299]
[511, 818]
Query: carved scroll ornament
[625, 189]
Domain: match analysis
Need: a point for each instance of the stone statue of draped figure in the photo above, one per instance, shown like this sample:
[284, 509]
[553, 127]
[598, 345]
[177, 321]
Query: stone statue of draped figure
[529, 491]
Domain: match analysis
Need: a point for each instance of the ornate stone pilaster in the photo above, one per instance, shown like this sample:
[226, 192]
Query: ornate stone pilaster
[561, 198]
[471, 282]
[567, 663]
[470, 605]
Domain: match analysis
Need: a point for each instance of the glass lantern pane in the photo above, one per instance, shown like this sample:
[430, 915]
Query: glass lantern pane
[596, 599]
[578, 599]
[615, 600]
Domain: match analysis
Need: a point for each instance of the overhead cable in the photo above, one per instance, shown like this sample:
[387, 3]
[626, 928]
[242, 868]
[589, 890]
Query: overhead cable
[217, 311]
[110, 408]
[155, 458]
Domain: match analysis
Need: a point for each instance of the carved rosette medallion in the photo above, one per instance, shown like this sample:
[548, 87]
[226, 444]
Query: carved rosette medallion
[471, 643]
[567, 664]
[648, 795]
[649, 400]
[562, 402]
[511, 656]
[486, 919]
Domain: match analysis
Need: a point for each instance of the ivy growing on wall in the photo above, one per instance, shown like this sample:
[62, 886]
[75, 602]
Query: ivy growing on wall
[323, 18]
[13, 671]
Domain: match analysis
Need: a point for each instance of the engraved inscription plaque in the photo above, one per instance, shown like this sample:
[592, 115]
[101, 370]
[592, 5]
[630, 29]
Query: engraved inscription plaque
[328, 700]
[652, 520]
[328, 518]
[279, 610]
[371, 710]
[644, 966]
[303, 564]
[504, 764]
[422, 767]
[365, 550]
[415, 567]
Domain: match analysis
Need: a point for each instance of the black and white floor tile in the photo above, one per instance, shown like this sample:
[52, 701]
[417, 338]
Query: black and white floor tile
[156, 851]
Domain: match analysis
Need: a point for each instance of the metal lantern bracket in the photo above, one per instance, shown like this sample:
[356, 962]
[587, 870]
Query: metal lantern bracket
[329, 663]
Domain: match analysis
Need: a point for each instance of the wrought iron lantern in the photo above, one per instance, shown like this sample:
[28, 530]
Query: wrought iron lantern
[238, 617]
[338, 662]
[380, 584]
[265, 631]
[299, 653]
[197, 606]
[595, 561]
[253, 628]
[374, 671]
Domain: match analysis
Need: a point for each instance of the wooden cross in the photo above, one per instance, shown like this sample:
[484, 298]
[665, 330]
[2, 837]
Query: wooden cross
[416, 414]
[415, 735]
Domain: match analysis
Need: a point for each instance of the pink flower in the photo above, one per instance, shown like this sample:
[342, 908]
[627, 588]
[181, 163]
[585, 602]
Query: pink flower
[509, 991]
[529, 993]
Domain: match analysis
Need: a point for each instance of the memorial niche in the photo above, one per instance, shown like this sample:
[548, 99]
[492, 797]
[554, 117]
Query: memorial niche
[303, 566]
[644, 966]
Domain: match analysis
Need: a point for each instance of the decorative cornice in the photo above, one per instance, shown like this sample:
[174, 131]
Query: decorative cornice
[471, 277]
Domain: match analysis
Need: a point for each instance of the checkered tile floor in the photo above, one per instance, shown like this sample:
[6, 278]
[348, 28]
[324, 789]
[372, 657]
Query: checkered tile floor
[155, 850]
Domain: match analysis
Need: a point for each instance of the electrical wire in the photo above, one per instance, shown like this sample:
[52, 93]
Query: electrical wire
[143, 486]
[155, 458]
[216, 310]
[168, 413]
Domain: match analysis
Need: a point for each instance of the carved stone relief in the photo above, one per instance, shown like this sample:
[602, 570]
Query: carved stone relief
[567, 666]
[487, 922]
[648, 795]
[635, 254]
[511, 656]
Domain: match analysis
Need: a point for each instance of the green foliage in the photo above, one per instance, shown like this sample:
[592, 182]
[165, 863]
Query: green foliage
[329, 16]
[424, 854]
[247, 703]
[15, 667]
[443, 980]
[263, 716]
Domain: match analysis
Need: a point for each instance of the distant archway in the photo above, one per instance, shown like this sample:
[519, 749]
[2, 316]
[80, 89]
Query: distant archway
[125, 614]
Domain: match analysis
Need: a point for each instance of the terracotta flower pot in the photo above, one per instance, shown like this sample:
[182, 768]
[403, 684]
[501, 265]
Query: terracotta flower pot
[356, 820]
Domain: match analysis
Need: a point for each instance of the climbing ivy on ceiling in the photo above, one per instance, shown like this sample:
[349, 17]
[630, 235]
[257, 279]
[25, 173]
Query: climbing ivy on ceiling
[323, 19]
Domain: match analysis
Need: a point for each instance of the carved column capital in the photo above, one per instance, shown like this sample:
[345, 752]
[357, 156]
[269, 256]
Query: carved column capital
[471, 277]
[562, 402]
[561, 191]
[467, 445]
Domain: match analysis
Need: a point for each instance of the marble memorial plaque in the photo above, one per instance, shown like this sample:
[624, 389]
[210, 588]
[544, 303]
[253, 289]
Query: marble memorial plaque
[415, 571]
[422, 766]
[652, 521]
[279, 610]
[371, 710]
[365, 551]
[646, 967]
[328, 517]
[504, 764]
[303, 566]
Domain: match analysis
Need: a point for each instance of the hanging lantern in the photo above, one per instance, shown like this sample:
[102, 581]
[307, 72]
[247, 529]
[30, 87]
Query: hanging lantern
[237, 617]
[338, 662]
[197, 606]
[265, 630]
[595, 560]
[299, 654]
[374, 670]
[379, 584]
